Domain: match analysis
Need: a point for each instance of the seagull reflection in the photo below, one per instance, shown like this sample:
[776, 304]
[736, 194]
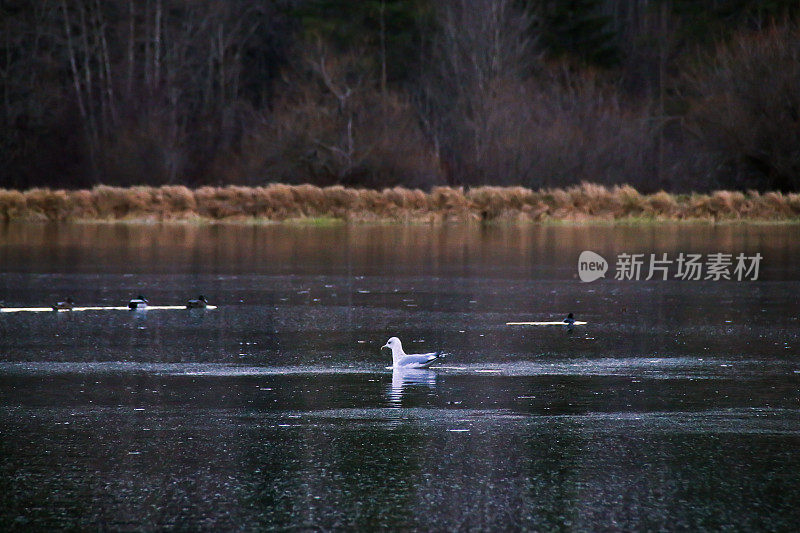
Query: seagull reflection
[403, 379]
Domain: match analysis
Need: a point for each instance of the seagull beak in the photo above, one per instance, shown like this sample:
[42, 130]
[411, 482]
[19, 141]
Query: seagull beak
[384, 346]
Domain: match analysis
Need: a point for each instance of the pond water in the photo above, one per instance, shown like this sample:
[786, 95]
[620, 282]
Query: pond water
[676, 407]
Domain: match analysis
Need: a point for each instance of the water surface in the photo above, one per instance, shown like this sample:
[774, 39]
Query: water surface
[676, 407]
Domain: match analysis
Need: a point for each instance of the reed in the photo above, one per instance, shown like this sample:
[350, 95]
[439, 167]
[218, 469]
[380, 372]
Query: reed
[280, 202]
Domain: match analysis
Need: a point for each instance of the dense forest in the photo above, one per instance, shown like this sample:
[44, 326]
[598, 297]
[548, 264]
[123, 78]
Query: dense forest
[659, 94]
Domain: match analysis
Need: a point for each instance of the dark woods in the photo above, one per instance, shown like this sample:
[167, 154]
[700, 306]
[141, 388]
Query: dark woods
[672, 94]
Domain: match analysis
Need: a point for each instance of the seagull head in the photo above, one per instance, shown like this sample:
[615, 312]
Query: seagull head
[392, 343]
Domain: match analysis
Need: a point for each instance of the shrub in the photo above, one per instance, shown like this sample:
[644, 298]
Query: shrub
[745, 108]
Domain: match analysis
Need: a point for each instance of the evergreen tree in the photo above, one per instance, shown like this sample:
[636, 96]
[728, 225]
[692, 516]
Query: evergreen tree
[579, 30]
[705, 23]
[389, 30]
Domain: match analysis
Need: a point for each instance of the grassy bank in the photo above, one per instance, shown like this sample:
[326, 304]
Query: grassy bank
[584, 203]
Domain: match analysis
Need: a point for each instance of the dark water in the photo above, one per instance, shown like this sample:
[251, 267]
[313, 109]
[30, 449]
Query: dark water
[676, 408]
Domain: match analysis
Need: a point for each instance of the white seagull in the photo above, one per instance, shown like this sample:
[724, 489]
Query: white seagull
[402, 360]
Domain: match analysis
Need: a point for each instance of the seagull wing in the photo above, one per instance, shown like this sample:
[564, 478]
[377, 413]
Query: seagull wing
[420, 360]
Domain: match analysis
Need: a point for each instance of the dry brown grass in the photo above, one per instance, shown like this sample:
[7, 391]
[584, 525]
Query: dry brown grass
[662, 205]
[277, 202]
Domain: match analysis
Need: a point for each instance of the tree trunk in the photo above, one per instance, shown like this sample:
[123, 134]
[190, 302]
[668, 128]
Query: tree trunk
[76, 80]
[131, 49]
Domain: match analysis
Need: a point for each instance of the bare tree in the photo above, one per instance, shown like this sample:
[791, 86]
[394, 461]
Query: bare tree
[481, 47]
[745, 108]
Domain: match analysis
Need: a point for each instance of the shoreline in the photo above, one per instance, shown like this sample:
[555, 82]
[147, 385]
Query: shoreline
[308, 205]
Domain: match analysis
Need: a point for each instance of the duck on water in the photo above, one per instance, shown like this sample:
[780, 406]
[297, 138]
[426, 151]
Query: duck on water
[66, 305]
[569, 322]
[140, 302]
[199, 303]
